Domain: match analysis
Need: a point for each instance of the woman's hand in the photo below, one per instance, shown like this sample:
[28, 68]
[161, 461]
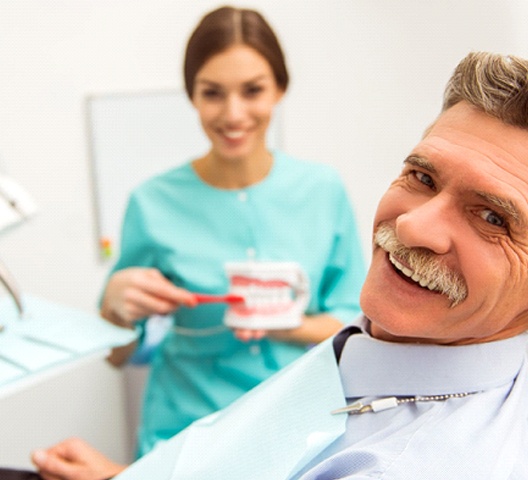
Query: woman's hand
[246, 334]
[74, 459]
[135, 293]
[313, 329]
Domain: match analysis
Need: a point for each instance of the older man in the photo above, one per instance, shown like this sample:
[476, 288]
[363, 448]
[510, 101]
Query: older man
[433, 382]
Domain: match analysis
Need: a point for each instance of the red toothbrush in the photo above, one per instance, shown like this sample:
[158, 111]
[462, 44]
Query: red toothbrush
[229, 298]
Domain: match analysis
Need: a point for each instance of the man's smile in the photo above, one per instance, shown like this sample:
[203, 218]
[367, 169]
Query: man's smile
[411, 275]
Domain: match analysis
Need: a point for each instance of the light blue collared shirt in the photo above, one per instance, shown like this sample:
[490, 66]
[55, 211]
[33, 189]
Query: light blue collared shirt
[480, 436]
[283, 428]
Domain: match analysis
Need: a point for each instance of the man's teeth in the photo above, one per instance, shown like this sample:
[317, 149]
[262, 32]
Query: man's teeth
[234, 134]
[413, 276]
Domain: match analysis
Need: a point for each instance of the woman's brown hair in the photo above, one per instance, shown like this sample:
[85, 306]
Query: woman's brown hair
[227, 26]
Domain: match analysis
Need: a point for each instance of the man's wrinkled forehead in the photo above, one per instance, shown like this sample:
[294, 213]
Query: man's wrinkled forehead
[466, 119]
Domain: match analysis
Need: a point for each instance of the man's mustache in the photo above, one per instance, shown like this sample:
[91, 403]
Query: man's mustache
[424, 263]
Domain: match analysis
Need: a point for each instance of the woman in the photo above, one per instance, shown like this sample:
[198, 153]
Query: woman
[237, 202]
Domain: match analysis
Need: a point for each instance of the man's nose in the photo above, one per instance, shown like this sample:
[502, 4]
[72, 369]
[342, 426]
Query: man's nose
[428, 225]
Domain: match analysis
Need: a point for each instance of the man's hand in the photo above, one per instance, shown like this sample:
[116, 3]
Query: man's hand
[74, 459]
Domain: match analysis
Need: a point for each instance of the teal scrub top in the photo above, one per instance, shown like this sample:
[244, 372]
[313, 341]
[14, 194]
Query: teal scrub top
[188, 229]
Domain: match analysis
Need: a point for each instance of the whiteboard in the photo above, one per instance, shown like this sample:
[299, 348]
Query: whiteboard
[133, 136]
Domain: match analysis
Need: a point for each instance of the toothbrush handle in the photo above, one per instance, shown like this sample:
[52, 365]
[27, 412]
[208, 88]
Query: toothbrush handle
[229, 298]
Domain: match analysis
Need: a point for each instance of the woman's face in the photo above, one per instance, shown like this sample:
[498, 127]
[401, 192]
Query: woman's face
[234, 93]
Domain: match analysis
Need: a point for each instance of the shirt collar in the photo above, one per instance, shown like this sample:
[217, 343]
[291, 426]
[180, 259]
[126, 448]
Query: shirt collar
[371, 367]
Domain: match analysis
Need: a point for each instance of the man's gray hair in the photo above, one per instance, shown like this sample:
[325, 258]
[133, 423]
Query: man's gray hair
[494, 83]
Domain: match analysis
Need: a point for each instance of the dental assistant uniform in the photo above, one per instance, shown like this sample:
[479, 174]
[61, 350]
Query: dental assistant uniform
[188, 229]
[463, 415]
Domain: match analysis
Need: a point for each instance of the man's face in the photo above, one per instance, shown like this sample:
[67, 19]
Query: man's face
[459, 215]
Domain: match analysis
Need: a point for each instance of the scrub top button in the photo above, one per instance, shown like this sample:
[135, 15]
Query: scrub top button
[254, 349]
[242, 196]
[251, 252]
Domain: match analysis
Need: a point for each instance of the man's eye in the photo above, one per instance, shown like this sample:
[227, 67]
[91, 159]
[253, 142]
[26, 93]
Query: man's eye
[492, 218]
[425, 179]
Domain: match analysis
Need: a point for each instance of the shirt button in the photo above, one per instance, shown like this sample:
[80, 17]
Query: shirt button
[242, 196]
[251, 252]
[254, 349]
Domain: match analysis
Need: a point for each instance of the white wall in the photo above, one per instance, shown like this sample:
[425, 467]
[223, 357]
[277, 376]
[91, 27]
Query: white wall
[367, 78]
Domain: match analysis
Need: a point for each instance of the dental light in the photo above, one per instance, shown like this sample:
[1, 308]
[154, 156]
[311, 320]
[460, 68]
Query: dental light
[16, 206]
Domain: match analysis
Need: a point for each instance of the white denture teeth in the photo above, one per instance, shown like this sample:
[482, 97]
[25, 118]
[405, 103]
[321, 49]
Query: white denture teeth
[263, 298]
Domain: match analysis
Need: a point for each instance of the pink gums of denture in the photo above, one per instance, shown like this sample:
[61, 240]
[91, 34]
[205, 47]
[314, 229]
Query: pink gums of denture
[239, 280]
